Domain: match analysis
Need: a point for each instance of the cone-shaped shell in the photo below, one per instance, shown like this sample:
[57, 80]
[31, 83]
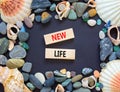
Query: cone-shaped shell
[59, 88]
[110, 77]
[14, 10]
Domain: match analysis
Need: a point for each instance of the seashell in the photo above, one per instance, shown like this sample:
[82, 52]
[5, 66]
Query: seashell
[115, 41]
[12, 31]
[91, 3]
[109, 77]
[89, 82]
[11, 45]
[108, 10]
[14, 10]
[63, 9]
[12, 80]
[59, 88]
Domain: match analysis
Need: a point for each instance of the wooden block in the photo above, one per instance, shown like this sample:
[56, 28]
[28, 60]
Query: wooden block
[53, 53]
[59, 36]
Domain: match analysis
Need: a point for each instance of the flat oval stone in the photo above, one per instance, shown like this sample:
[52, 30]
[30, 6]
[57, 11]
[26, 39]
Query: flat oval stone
[25, 76]
[49, 74]
[77, 85]
[66, 82]
[40, 77]
[101, 35]
[45, 89]
[28, 22]
[49, 82]
[77, 78]
[3, 28]
[35, 81]
[23, 36]
[19, 24]
[3, 60]
[27, 67]
[17, 52]
[30, 86]
[87, 71]
[81, 90]
[91, 22]
[15, 63]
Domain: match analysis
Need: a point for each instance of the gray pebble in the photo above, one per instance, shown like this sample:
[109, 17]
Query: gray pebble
[27, 67]
[69, 87]
[66, 82]
[3, 28]
[77, 85]
[46, 89]
[3, 60]
[25, 76]
[23, 36]
[60, 79]
[112, 56]
[30, 86]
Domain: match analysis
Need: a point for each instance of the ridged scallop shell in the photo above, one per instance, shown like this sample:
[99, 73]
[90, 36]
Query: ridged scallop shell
[109, 10]
[110, 77]
[12, 80]
[14, 10]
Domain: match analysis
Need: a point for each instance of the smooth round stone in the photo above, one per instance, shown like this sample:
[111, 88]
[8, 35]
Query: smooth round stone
[99, 22]
[40, 77]
[82, 90]
[19, 24]
[60, 79]
[3, 60]
[28, 22]
[91, 22]
[101, 35]
[77, 85]
[25, 76]
[17, 52]
[3, 28]
[4, 43]
[112, 56]
[103, 65]
[49, 74]
[22, 29]
[23, 36]
[68, 74]
[27, 67]
[35, 81]
[87, 71]
[38, 18]
[73, 73]
[53, 7]
[77, 78]
[49, 82]
[61, 7]
[66, 82]
[45, 89]
[30, 86]
[97, 88]
[63, 71]
[69, 87]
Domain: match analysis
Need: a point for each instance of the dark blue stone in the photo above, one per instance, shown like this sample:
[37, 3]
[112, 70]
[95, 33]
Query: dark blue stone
[49, 82]
[112, 56]
[69, 87]
[38, 18]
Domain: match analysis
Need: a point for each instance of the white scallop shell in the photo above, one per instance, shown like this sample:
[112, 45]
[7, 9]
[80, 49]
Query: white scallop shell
[110, 77]
[109, 10]
[14, 10]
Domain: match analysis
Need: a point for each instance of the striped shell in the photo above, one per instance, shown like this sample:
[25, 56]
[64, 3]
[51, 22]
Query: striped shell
[14, 10]
[110, 77]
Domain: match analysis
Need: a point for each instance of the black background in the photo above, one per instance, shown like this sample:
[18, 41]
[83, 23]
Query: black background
[86, 44]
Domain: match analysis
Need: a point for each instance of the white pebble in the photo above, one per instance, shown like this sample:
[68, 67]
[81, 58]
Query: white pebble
[68, 74]
[40, 77]
[91, 22]
[101, 35]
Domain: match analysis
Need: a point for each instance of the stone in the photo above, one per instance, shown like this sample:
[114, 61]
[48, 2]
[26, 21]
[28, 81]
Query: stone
[66, 82]
[22, 29]
[38, 18]
[106, 48]
[104, 30]
[52, 90]
[91, 82]
[45, 89]
[101, 35]
[32, 17]
[11, 45]
[49, 74]
[80, 8]
[24, 45]
[103, 65]
[40, 77]
[77, 85]
[96, 74]
[27, 67]
[25, 76]
[91, 22]
[100, 85]
[116, 48]
[68, 74]
[35, 81]
[28, 22]
[3, 28]
[57, 73]
[69, 87]
[15, 63]
[92, 12]
[113, 56]
[99, 22]
[85, 16]
[53, 7]
[45, 17]
[63, 71]
[40, 4]
[19, 24]
[39, 10]
[49, 82]
[17, 52]
[30, 86]
[60, 79]
[73, 73]
[71, 1]
[81, 90]
[56, 16]
[118, 53]
[23, 36]
[97, 88]
[77, 78]
[72, 15]
[87, 71]
[3, 60]
[4, 43]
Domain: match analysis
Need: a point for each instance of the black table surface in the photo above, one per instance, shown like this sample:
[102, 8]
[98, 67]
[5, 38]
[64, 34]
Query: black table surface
[86, 44]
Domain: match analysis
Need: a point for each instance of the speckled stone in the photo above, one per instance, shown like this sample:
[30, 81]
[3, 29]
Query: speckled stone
[25, 76]
[17, 52]
[40, 77]
[45, 89]
[3, 60]
[23, 36]
[49, 82]
[77, 85]
[77, 78]
[87, 71]
[27, 67]
[81, 90]
[30, 86]
[3, 28]
[49, 74]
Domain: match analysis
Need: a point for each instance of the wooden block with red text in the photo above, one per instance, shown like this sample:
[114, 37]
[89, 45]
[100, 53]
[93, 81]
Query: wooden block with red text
[59, 36]
[56, 53]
